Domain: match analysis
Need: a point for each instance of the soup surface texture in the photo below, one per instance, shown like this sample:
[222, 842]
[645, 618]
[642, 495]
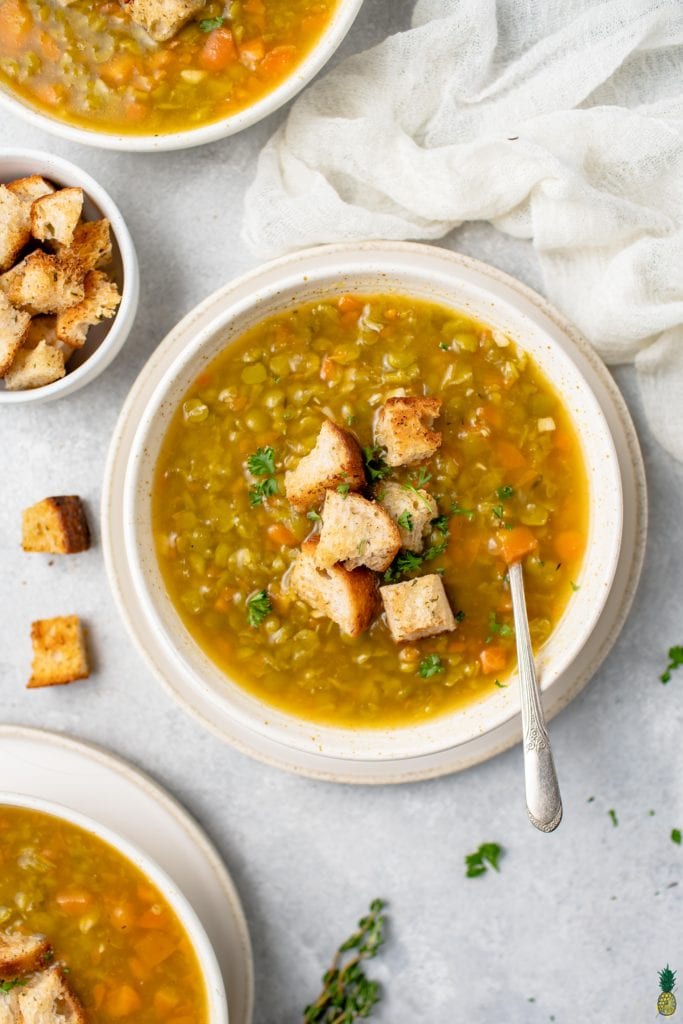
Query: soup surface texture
[508, 477]
[89, 64]
[127, 954]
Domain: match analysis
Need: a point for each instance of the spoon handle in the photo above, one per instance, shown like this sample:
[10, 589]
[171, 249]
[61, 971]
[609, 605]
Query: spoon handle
[543, 801]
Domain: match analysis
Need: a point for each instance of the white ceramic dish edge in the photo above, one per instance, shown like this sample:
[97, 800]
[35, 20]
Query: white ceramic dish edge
[215, 990]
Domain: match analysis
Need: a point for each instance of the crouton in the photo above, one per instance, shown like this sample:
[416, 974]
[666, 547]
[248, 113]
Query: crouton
[162, 18]
[21, 954]
[356, 532]
[59, 654]
[14, 326]
[100, 302]
[335, 459]
[55, 216]
[10, 276]
[91, 244]
[402, 427]
[348, 598]
[15, 227]
[417, 608]
[55, 525]
[49, 999]
[35, 367]
[41, 328]
[31, 188]
[412, 511]
[47, 283]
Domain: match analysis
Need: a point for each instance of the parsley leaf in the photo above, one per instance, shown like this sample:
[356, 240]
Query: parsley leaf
[459, 616]
[265, 489]
[7, 986]
[456, 510]
[477, 863]
[676, 836]
[441, 524]
[405, 520]
[417, 482]
[435, 550]
[430, 666]
[375, 466]
[675, 661]
[258, 608]
[613, 816]
[498, 511]
[314, 516]
[262, 462]
[575, 586]
[343, 489]
[502, 629]
[505, 492]
[444, 346]
[501, 686]
[209, 24]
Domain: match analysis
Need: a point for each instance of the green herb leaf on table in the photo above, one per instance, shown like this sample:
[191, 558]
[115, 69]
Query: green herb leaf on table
[348, 994]
[478, 863]
[405, 520]
[430, 666]
[676, 836]
[613, 817]
[258, 608]
[375, 466]
[675, 661]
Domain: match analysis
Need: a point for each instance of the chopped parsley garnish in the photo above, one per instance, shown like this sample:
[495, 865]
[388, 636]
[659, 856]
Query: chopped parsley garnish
[315, 516]
[501, 686]
[676, 836]
[456, 510]
[441, 524]
[416, 482]
[496, 628]
[262, 464]
[375, 466]
[209, 24]
[430, 666]
[265, 489]
[459, 616]
[613, 816]
[505, 492]
[487, 855]
[343, 489]
[258, 608]
[405, 520]
[434, 550]
[675, 661]
[575, 586]
[444, 346]
[498, 511]
[7, 986]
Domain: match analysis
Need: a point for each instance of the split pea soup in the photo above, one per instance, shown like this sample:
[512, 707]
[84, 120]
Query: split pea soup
[509, 480]
[128, 955]
[88, 64]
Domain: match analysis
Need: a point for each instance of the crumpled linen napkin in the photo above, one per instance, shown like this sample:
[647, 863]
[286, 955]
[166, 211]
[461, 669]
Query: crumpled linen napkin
[560, 121]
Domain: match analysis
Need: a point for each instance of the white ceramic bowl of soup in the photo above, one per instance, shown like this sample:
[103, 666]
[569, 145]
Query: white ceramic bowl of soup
[329, 41]
[217, 1008]
[426, 273]
[105, 340]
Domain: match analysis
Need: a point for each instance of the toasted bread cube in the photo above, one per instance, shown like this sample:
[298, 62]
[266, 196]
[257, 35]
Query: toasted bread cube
[31, 188]
[49, 999]
[100, 303]
[355, 532]
[59, 654]
[91, 244]
[161, 19]
[21, 954]
[335, 459]
[349, 598]
[55, 216]
[10, 276]
[56, 525]
[14, 327]
[41, 328]
[35, 367]
[47, 283]
[403, 428]
[417, 608]
[414, 509]
[15, 227]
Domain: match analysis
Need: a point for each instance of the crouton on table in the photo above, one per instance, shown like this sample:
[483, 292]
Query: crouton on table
[412, 511]
[47, 283]
[349, 598]
[15, 227]
[99, 303]
[56, 525]
[35, 367]
[403, 428]
[356, 532]
[162, 18]
[21, 954]
[49, 999]
[59, 654]
[417, 608]
[335, 459]
[14, 327]
[55, 216]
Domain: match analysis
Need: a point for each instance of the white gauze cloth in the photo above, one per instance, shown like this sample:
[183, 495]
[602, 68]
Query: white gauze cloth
[560, 121]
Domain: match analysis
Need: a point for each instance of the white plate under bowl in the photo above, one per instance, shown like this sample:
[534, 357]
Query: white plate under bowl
[446, 744]
[92, 782]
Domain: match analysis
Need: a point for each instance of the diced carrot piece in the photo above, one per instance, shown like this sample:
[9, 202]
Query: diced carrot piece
[219, 50]
[491, 414]
[203, 380]
[73, 901]
[561, 440]
[118, 69]
[510, 457]
[281, 536]
[154, 948]
[277, 60]
[349, 304]
[252, 52]
[122, 1001]
[151, 919]
[165, 999]
[493, 659]
[136, 111]
[15, 25]
[146, 893]
[516, 543]
[123, 915]
[455, 646]
[569, 545]
[224, 600]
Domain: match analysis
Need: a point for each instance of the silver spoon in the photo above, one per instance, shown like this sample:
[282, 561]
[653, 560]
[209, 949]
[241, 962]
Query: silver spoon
[543, 801]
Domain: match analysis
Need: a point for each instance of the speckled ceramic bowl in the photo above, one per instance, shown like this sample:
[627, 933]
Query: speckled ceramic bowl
[422, 271]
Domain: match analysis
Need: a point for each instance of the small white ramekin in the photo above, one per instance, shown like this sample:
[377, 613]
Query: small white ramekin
[213, 980]
[106, 339]
[340, 23]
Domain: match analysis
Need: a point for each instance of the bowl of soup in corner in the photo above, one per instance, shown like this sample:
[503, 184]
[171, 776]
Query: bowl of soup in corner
[90, 923]
[328, 484]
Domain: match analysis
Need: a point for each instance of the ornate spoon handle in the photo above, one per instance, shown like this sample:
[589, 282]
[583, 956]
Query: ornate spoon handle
[543, 801]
